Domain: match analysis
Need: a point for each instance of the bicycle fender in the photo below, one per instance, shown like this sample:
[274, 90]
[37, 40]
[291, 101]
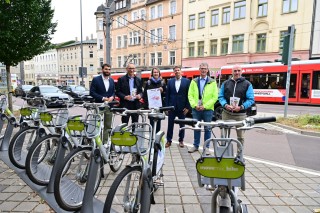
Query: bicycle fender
[41, 132]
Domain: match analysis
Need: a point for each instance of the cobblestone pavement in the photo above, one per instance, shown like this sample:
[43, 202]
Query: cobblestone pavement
[270, 187]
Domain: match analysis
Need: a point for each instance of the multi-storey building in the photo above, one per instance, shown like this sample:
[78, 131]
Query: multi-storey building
[146, 33]
[69, 62]
[45, 69]
[29, 73]
[315, 39]
[100, 17]
[225, 32]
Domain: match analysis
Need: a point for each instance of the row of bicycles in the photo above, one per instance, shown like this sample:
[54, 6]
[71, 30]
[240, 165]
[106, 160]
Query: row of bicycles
[68, 154]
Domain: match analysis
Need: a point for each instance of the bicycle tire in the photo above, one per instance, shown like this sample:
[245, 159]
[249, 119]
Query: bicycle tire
[116, 158]
[19, 146]
[119, 201]
[224, 209]
[41, 157]
[70, 180]
[146, 196]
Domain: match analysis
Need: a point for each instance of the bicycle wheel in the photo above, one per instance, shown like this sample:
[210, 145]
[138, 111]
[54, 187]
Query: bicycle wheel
[124, 193]
[224, 209]
[41, 158]
[71, 179]
[146, 196]
[116, 159]
[20, 145]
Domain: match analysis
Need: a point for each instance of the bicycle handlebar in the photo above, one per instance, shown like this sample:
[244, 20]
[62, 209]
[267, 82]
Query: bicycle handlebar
[190, 122]
[264, 120]
[168, 108]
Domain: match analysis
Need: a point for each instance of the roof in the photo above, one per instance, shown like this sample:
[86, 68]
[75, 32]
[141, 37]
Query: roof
[90, 41]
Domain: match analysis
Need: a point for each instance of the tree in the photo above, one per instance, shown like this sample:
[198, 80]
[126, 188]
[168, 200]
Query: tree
[25, 31]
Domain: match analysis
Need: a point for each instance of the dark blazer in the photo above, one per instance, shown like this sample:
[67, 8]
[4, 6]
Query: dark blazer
[178, 99]
[123, 89]
[98, 90]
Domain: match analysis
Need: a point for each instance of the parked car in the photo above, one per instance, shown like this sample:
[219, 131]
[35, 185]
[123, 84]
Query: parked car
[51, 94]
[22, 90]
[78, 93]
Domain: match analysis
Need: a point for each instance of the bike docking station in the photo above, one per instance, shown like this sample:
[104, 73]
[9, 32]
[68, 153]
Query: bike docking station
[10, 123]
[89, 204]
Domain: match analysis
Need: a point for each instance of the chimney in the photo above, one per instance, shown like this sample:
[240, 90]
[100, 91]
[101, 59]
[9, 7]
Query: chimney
[87, 37]
[91, 36]
[76, 38]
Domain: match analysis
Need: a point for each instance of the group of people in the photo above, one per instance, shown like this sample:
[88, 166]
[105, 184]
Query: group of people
[198, 95]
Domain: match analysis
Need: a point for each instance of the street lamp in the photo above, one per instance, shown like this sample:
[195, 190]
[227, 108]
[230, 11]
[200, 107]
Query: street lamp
[108, 26]
[81, 45]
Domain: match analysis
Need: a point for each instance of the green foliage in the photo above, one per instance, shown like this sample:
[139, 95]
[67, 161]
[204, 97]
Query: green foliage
[25, 29]
[310, 122]
[57, 46]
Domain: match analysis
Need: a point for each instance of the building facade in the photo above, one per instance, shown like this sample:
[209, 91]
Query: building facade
[226, 32]
[69, 62]
[315, 44]
[100, 30]
[146, 33]
[45, 69]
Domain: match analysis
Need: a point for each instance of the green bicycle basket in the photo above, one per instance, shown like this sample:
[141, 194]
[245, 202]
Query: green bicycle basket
[46, 116]
[227, 169]
[25, 111]
[75, 125]
[123, 139]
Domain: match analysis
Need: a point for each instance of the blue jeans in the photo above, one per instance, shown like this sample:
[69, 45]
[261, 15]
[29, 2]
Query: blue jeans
[206, 116]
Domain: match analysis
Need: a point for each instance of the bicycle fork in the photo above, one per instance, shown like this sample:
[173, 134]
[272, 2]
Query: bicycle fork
[227, 199]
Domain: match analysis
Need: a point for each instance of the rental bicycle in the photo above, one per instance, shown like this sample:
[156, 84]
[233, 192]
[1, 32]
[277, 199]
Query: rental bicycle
[71, 178]
[224, 171]
[133, 188]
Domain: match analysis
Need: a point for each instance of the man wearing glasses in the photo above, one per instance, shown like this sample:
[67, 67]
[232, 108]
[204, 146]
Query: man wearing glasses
[102, 89]
[129, 90]
[202, 95]
[236, 95]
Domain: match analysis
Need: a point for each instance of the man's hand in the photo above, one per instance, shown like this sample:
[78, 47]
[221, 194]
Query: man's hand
[199, 108]
[229, 107]
[110, 99]
[161, 89]
[237, 108]
[185, 111]
[128, 97]
[138, 96]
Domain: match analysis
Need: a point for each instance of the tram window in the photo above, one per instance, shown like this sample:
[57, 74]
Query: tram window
[316, 80]
[267, 81]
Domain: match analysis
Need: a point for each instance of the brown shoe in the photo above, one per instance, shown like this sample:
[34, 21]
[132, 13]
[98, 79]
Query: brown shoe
[168, 144]
[181, 144]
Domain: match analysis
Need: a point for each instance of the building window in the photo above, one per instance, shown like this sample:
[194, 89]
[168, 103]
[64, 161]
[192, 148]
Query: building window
[261, 42]
[101, 62]
[125, 41]
[152, 13]
[213, 47]
[125, 20]
[152, 59]
[134, 38]
[191, 49]
[262, 8]
[239, 10]
[100, 44]
[282, 34]
[119, 24]
[172, 32]
[214, 17]
[159, 55]
[226, 15]
[172, 55]
[119, 41]
[143, 14]
[192, 22]
[119, 61]
[159, 35]
[173, 7]
[224, 46]
[134, 15]
[289, 6]
[201, 17]
[160, 13]
[153, 36]
[100, 25]
[91, 67]
[237, 43]
[91, 54]
[144, 59]
[200, 48]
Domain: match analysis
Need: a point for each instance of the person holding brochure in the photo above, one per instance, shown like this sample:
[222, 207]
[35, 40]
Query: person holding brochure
[129, 90]
[202, 95]
[157, 84]
[236, 95]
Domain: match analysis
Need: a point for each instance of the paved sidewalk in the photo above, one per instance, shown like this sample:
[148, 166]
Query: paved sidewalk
[270, 187]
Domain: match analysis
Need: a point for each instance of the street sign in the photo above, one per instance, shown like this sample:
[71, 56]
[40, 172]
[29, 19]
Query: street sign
[83, 72]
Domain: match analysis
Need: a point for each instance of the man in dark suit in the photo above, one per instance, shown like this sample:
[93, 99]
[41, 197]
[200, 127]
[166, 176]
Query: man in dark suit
[102, 89]
[177, 96]
[129, 90]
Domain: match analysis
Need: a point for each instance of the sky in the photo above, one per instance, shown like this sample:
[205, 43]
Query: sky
[67, 14]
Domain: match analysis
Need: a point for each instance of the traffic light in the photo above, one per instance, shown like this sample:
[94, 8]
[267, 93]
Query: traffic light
[284, 48]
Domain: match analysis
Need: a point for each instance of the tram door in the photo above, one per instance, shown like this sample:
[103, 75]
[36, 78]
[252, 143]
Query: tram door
[305, 86]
